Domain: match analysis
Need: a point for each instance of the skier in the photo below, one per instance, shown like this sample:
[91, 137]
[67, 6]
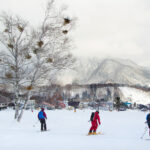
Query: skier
[148, 121]
[95, 120]
[42, 116]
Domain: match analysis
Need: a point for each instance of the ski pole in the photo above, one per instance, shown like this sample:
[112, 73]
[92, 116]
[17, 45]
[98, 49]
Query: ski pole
[35, 123]
[144, 133]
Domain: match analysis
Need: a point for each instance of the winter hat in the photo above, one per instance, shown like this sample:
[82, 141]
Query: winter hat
[42, 109]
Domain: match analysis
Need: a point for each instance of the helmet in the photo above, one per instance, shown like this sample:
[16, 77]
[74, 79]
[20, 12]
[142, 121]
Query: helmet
[97, 111]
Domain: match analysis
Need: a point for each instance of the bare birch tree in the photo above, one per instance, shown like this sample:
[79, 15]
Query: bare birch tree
[29, 56]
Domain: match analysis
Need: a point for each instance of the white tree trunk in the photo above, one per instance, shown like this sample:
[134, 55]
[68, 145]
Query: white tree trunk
[16, 111]
[24, 107]
[17, 102]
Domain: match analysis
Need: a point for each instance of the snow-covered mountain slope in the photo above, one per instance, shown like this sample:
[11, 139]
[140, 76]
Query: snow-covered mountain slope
[112, 70]
[85, 67]
[82, 70]
[135, 95]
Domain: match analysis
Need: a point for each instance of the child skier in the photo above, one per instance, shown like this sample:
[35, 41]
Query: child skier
[41, 117]
[148, 122]
[95, 121]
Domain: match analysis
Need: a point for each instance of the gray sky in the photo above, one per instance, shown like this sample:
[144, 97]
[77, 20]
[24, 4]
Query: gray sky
[105, 28]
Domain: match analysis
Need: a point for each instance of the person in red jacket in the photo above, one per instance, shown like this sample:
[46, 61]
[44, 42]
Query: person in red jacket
[95, 122]
[42, 116]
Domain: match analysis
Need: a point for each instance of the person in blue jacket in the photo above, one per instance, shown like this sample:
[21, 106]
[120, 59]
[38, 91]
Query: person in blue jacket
[42, 116]
[148, 121]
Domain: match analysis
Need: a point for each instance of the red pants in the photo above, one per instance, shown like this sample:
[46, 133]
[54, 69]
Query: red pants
[94, 126]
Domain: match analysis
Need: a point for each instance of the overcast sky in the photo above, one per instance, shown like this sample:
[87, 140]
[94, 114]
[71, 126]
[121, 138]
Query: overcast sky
[105, 28]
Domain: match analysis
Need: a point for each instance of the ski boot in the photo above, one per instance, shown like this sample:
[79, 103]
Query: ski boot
[94, 133]
[90, 133]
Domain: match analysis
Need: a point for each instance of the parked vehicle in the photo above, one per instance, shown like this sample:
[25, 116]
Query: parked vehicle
[141, 106]
[122, 108]
[144, 109]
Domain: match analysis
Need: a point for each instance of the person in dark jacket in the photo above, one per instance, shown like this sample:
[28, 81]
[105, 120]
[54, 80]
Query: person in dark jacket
[148, 121]
[95, 122]
[42, 116]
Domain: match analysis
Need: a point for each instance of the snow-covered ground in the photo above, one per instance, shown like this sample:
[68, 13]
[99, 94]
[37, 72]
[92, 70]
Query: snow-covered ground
[68, 130]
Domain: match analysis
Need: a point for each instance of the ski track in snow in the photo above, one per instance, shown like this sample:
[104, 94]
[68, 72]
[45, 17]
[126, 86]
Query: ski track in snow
[68, 130]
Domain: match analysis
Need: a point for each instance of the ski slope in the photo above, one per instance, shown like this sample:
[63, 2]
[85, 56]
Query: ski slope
[68, 130]
[137, 96]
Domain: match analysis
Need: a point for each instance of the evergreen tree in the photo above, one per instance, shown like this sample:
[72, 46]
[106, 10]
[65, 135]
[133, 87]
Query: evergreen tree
[117, 103]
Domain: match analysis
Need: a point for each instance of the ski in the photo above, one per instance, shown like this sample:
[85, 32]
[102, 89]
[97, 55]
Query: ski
[147, 139]
[44, 130]
[98, 133]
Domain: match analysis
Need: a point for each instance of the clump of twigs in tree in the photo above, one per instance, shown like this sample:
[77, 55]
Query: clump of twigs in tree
[8, 75]
[6, 30]
[66, 21]
[20, 28]
[35, 51]
[65, 31]
[30, 87]
[10, 46]
[12, 67]
[49, 60]
[40, 43]
[28, 56]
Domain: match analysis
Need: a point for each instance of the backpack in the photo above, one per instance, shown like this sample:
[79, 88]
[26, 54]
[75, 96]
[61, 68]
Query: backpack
[148, 118]
[92, 116]
[41, 115]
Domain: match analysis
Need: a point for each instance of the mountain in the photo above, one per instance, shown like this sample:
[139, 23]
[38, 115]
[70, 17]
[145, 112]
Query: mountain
[83, 68]
[111, 70]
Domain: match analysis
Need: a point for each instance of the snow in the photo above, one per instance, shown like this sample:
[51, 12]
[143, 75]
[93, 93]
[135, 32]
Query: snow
[68, 130]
